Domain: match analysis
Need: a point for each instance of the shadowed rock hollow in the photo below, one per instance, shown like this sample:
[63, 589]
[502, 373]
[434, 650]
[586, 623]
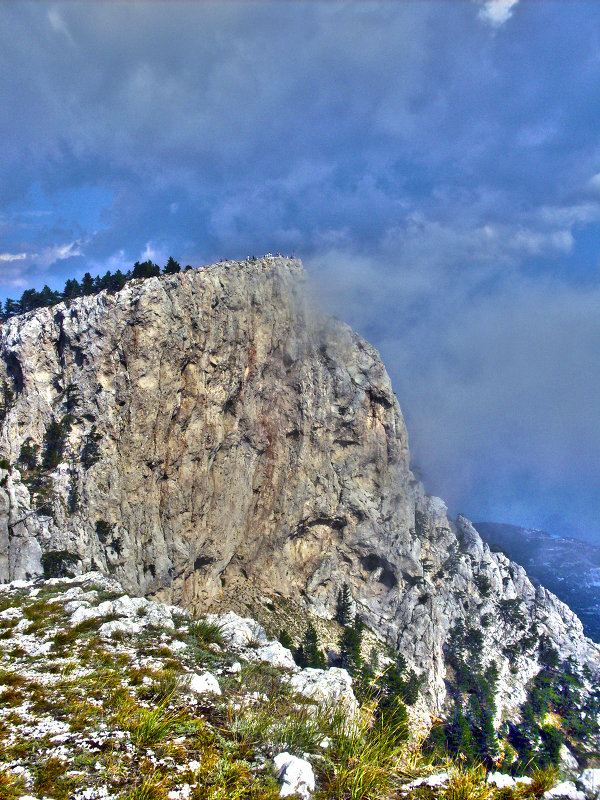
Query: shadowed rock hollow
[226, 438]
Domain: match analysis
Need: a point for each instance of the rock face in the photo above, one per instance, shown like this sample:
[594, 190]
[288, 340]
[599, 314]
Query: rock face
[221, 435]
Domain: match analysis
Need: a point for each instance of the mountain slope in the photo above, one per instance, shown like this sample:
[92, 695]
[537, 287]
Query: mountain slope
[568, 567]
[209, 437]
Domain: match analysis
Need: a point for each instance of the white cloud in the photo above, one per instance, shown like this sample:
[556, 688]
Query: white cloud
[497, 12]
[155, 253]
[58, 24]
[13, 256]
[594, 182]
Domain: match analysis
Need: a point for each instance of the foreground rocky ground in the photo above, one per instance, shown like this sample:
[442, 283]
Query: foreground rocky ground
[106, 696]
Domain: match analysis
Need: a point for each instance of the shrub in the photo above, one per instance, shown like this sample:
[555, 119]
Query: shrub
[90, 451]
[28, 457]
[58, 564]
[206, 632]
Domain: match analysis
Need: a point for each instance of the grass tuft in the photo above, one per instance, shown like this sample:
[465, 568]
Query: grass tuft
[205, 632]
[148, 726]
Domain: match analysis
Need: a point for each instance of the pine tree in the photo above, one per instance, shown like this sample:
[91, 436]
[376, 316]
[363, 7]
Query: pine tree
[308, 653]
[172, 267]
[350, 646]
[343, 612]
[87, 284]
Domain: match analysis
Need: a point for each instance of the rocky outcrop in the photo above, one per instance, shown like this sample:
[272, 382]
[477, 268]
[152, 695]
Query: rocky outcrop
[220, 437]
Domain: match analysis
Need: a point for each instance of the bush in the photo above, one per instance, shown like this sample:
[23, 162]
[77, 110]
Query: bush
[206, 632]
[58, 564]
[28, 457]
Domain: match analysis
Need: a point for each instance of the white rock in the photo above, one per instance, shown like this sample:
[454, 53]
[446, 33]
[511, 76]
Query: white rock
[176, 645]
[129, 606]
[590, 782]
[96, 612]
[327, 687]
[433, 781]
[158, 615]
[235, 668]
[206, 683]
[501, 780]
[127, 626]
[565, 789]
[277, 655]
[296, 775]
[11, 613]
[194, 766]
[180, 794]
[524, 779]
[239, 631]
[73, 605]
[568, 761]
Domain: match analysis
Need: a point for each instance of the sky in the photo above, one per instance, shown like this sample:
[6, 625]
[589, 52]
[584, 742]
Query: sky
[435, 165]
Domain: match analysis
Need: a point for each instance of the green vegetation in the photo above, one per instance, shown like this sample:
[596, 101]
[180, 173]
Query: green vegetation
[7, 397]
[469, 731]
[553, 713]
[343, 612]
[308, 653]
[206, 632]
[150, 735]
[55, 440]
[111, 282]
[58, 564]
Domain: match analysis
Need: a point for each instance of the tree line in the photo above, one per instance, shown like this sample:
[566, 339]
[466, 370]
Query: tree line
[110, 281]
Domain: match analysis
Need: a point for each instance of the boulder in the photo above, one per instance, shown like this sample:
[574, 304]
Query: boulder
[206, 683]
[277, 655]
[329, 688]
[239, 632]
[566, 789]
[568, 762]
[127, 626]
[501, 780]
[589, 781]
[295, 775]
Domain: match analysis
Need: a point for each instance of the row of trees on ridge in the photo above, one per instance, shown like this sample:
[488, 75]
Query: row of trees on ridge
[110, 281]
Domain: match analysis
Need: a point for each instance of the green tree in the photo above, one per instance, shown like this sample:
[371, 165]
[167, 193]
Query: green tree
[55, 440]
[87, 284]
[147, 269]
[28, 457]
[308, 654]
[172, 267]
[343, 613]
[350, 646]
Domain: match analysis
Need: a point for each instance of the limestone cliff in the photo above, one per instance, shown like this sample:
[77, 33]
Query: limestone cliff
[220, 436]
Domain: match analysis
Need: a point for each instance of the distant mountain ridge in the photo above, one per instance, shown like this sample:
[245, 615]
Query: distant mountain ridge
[570, 568]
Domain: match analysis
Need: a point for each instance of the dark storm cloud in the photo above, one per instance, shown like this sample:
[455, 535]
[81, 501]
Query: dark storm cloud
[436, 165]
